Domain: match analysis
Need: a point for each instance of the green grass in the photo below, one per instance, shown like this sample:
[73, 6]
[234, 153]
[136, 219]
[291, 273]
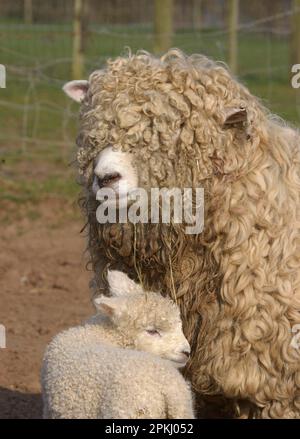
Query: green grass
[21, 190]
[38, 63]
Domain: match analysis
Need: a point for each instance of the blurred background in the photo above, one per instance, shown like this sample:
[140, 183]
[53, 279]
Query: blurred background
[43, 44]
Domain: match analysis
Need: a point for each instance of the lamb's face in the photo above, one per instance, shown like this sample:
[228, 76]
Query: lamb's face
[157, 328]
[148, 321]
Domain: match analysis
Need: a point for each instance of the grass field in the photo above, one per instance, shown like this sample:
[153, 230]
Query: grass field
[38, 62]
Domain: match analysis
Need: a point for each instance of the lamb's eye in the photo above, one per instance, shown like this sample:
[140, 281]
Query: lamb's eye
[153, 332]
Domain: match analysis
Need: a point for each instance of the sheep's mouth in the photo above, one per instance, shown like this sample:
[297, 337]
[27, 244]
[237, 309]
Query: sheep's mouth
[179, 361]
[183, 362]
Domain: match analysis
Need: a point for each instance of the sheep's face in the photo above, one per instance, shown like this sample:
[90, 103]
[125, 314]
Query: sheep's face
[114, 169]
[148, 321]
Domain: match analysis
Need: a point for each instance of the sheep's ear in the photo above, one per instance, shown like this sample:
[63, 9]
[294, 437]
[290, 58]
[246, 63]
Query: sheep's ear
[76, 90]
[121, 285]
[235, 117]
[108, 306]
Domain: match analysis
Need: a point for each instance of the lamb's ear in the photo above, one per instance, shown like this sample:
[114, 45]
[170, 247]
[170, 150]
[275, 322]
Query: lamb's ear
[121, 285]
[109, 306]
[235, 117]
[76, 90]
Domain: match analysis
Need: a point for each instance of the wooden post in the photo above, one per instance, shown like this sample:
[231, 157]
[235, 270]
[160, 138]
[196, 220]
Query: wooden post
[295, 40]
[28, 12]
[295, 47]
[163, 25]
[79, 30]
[233, 19]
[197, 14]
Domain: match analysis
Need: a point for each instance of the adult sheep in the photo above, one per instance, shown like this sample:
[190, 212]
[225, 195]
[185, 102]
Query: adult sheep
[185, 121]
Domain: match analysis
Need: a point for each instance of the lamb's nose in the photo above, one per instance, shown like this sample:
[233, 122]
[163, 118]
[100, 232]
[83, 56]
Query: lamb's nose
[186, 353]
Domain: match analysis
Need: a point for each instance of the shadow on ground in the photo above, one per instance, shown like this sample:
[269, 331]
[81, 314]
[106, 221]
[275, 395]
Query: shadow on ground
[18, 405]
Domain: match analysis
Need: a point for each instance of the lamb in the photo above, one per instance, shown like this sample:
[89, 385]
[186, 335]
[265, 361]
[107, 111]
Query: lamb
[122, 363]
[185, 121]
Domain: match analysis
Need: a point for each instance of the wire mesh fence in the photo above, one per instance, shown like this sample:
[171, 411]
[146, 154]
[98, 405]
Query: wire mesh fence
[38, 118]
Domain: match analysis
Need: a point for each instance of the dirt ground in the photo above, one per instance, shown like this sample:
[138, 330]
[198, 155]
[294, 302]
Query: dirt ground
[43, 289]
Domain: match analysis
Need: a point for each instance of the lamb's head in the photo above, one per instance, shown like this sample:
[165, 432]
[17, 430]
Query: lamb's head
[176, 121]
[147, 320]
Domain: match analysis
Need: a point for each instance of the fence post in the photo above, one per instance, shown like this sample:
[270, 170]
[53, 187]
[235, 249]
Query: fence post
[28, 12]
[295, 46]
[233, 19]
[197, 14]
[295, 42]
[163, 25]
[79, 22]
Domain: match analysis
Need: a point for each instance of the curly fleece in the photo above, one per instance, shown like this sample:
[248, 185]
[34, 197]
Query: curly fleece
[237, 283]
[94, 371]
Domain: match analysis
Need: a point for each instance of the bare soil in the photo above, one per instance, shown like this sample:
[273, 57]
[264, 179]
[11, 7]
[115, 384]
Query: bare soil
[43, 289]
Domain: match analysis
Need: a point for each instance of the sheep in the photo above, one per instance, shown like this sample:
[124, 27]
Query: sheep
[122, 363]
[185, 121]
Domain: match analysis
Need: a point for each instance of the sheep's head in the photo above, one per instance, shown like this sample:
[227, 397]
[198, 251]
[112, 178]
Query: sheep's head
[149, 321]
[170, 122]
[174, 122]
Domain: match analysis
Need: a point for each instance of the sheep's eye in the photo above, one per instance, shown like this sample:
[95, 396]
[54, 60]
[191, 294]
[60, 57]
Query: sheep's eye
[152, 332]
[108, 179]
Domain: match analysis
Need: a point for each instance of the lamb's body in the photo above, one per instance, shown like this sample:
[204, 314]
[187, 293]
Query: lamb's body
[106, 367]
[237, 283]
[90, 375]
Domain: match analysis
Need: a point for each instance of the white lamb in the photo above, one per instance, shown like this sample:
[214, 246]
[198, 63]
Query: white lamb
[123, 362]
